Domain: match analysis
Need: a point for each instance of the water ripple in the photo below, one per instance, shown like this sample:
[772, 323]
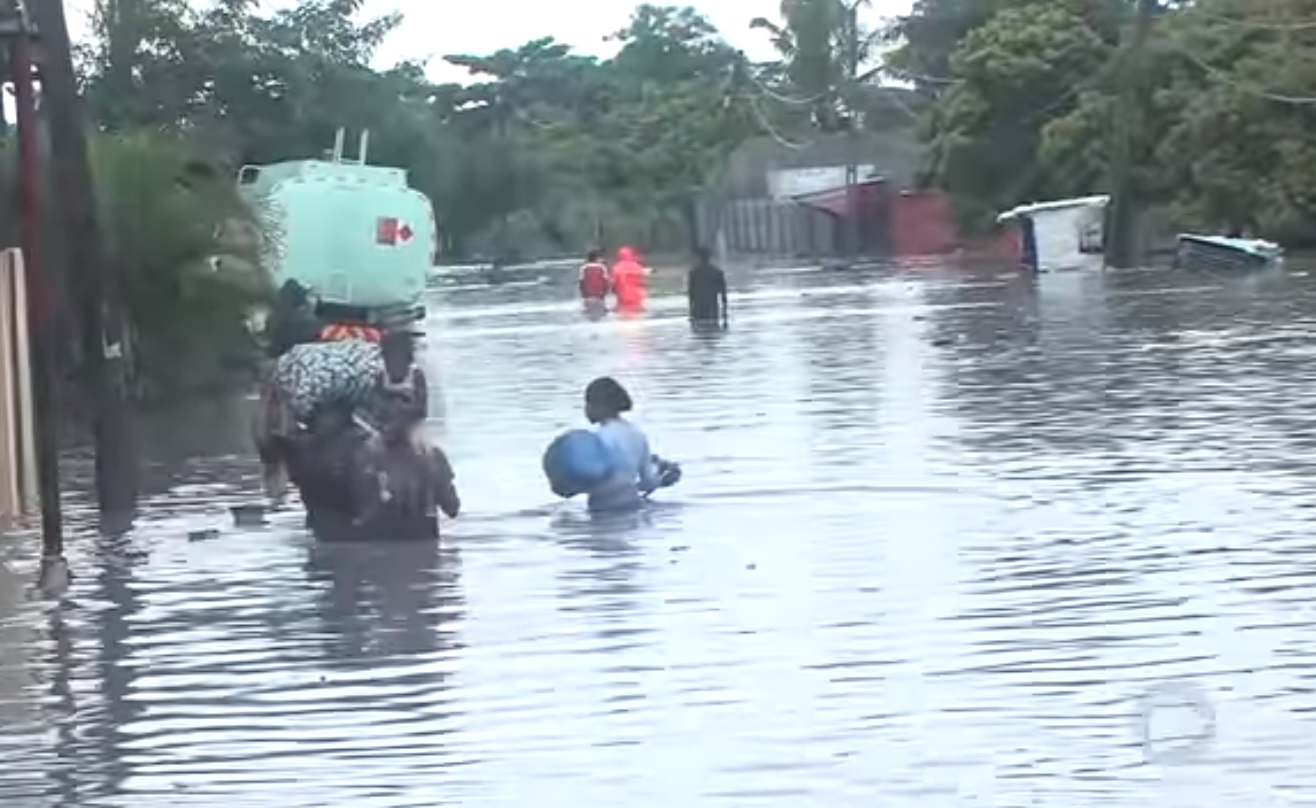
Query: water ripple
[946, 538]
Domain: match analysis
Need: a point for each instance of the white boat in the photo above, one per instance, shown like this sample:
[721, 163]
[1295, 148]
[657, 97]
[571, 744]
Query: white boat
[1064, 234]
[1224, 253]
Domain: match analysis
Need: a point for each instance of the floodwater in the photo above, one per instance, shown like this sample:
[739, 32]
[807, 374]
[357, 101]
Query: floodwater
[945, 538]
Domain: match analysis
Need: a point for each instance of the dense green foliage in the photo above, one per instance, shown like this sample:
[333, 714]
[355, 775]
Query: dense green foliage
[544, 149]
[1024, 96]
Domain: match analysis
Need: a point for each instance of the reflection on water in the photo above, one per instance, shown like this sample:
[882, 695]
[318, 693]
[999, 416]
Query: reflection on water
[945, 538]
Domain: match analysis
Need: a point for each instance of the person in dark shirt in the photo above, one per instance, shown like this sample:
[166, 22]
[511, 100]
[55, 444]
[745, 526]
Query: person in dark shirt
[292, 321]
[706, 288]
[323, 461]
[401, 389]
[402, 488]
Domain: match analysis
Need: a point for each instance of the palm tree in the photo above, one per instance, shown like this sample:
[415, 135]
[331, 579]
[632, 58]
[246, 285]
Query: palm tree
[823, 48]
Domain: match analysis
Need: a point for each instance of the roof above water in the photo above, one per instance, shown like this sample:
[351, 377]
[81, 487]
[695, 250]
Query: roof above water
[1059, 204]
[1254, 246]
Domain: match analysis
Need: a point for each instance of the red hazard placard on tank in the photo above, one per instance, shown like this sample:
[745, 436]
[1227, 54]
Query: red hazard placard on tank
[390, 230]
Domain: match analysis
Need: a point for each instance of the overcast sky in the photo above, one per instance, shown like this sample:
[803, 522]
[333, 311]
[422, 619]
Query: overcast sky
[432, 28]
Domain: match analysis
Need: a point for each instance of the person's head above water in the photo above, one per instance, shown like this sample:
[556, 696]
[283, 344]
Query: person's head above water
[399, 351]
[292, 294]
[606, 399]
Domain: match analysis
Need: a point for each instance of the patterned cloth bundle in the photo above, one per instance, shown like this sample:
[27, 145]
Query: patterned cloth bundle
[316, 372]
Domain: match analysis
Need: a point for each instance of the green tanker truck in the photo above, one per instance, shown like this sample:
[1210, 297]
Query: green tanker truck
[356, 236]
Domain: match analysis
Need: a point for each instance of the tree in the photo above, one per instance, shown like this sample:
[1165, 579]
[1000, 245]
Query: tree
[1024, 67]
[618, 146]
[171, 219]
[1222, 146]
[826, 55]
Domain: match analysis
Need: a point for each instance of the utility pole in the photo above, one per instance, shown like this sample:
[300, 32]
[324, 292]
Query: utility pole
[854, 234]
[41, 300]
[1121, 250]
[99, 287]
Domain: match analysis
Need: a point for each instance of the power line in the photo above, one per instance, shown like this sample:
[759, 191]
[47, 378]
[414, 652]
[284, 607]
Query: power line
[1257, 25]
[903, 107]
[785, 99]
[1224, 78]
[911, 76]
[771, 130]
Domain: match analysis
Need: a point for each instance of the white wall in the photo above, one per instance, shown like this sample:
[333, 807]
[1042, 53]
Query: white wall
[1059, 236]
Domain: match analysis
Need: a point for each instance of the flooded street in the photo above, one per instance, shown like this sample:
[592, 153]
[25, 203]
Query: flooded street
[944, 539]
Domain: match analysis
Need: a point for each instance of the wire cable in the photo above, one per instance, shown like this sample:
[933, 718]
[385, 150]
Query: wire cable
[772, 130]
[785, 99]
[1256, 25]
[906, 75]
[1224, 78]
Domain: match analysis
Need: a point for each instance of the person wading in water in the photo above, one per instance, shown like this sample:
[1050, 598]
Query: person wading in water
[402, 487]
[639, 472]
[322, 461]
[706, 289]
[401, 390]
[628, 280]
[594, 279]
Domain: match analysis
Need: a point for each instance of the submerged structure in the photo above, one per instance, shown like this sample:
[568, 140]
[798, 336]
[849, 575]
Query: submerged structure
[1064, 234]
[1195, 251]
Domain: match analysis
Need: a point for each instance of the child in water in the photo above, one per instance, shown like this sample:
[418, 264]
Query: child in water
[402, 489]
[640, 472]
[401, 391]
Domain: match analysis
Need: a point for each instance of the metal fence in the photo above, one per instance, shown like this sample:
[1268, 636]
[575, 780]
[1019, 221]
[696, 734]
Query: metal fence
[769, 228]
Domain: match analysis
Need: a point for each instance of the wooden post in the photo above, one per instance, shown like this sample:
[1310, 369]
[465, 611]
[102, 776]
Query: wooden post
[27, 419]
[854, 228]
[11, 495]
[40, 311]
[104, 328]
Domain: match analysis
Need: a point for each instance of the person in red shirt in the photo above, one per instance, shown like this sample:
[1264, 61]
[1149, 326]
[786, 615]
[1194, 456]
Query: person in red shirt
[594, 279]
[628, 280]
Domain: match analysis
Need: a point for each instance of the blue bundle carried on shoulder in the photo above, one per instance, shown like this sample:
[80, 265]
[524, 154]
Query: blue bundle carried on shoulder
[576, 461]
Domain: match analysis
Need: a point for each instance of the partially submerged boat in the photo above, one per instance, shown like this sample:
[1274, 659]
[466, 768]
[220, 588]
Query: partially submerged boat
[1223, 253]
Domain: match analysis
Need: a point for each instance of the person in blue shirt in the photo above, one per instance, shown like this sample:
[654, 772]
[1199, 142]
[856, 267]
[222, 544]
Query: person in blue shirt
[638, 472]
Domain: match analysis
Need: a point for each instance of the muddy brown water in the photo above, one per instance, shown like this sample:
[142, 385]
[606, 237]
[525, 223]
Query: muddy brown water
[945, 538]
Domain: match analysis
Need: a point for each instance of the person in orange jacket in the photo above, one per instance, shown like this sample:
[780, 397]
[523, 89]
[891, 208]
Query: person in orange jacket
[628, 279]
